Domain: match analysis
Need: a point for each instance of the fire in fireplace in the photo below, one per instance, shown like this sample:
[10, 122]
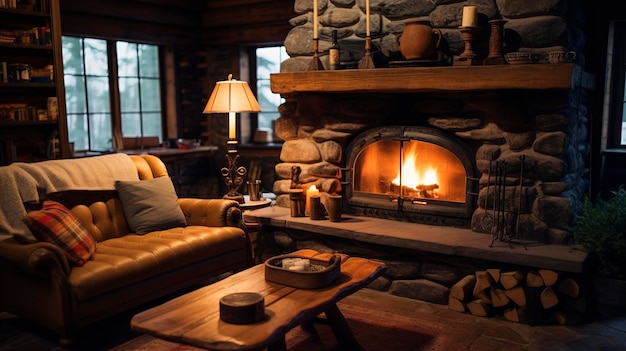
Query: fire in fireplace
[417, 174]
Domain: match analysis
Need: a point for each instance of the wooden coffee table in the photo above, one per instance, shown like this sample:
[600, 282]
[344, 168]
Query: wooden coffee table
[194, 318]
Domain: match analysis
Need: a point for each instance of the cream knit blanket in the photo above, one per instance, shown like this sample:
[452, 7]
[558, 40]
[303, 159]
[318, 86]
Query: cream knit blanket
[19, 183]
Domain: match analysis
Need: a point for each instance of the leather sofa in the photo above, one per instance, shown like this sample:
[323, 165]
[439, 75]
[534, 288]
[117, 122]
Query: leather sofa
[126, 270]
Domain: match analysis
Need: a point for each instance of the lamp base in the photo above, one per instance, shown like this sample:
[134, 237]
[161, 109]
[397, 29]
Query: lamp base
[233, 174]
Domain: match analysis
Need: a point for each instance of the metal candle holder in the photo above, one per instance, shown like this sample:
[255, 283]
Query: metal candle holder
[316, 64]
[468, 57]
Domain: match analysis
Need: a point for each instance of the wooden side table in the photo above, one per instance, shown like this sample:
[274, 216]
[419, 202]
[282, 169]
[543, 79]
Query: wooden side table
[194, 318]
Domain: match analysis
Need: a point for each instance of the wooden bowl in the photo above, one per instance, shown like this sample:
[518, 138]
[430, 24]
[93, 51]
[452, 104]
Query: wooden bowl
[321, 274]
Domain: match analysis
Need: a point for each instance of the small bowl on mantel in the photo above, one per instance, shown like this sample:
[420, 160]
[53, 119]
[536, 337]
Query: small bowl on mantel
[518, 58]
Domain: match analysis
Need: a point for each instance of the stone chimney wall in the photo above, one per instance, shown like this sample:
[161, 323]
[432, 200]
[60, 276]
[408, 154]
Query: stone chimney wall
[532, 26]
[549, 129]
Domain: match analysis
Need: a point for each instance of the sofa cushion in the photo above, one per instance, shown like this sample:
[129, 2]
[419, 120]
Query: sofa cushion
[150, 205]
[123, 261]
[56, 224]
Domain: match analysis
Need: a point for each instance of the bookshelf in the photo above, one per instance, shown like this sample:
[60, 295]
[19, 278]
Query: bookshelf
[33, 123]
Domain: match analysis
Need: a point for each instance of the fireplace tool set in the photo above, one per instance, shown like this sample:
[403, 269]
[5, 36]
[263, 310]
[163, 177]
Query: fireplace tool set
[501, 229]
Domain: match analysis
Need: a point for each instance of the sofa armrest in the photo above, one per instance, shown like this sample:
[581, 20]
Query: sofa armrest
[37, 258]
[211, 212]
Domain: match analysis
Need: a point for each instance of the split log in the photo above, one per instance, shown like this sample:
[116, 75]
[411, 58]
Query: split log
[479, 308]
[566, 316]
[483, 282]
[548, 298]
[517, 295]
[524, 314]
[549, 276]
[569, 287]
[515, 314]
[511, 279]
[484, 295]
[534, 280]
[455, 304]
[462, 290]
[495, 274]
[498, 298]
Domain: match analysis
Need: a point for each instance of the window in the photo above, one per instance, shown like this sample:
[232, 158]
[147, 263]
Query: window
[615, 129]
[268, 61]
[107, 84]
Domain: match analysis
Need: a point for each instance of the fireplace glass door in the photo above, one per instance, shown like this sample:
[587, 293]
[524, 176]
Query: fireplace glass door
[413, 170]
[412, 173]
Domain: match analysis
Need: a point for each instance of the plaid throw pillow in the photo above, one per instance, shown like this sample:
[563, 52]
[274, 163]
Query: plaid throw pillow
[56, 224]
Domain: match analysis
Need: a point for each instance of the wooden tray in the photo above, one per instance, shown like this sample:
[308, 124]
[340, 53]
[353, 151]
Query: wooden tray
[303, 279]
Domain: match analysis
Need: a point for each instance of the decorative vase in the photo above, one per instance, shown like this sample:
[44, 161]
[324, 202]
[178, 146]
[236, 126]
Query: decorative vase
[419, 40]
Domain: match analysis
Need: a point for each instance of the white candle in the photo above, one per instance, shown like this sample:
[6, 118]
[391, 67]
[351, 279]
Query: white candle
[469, 16]
[310, 192]
[367, 18]
[232, 125]
[315, 19]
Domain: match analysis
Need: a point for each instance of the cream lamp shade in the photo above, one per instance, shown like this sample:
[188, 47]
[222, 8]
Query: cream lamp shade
[232, 96]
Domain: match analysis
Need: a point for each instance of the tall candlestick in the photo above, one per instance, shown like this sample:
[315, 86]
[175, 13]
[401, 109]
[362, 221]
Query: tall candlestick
[315, 31]
[367, 18]
[469, 16]
[232, 125]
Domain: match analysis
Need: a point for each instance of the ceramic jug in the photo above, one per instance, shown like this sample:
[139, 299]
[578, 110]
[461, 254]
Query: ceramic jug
[419, 40]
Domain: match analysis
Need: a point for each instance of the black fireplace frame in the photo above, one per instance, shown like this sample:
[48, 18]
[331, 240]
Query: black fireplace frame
[434, 212]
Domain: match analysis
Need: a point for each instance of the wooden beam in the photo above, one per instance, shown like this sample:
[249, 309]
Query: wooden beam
[116, 28]
[246, 35]
[133, 11]
[426, 79]
[249, 15]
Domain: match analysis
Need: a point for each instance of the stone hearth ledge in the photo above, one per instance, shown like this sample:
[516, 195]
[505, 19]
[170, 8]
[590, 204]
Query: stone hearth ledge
[438, 239]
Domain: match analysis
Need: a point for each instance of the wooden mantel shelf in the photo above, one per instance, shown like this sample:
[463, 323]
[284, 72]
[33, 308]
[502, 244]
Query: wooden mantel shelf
[426, 79]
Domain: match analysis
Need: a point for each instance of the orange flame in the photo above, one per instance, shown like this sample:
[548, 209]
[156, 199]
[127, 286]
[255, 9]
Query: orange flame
[412, 177]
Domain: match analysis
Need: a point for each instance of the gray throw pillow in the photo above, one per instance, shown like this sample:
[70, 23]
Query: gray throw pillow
[150, 205]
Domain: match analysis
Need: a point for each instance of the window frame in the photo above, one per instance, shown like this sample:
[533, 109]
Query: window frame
[615, 85]
[114, 93]
[249, 66]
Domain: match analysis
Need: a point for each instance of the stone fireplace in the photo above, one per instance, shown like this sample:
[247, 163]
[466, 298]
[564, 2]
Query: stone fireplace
[519, 131]
[518, 138]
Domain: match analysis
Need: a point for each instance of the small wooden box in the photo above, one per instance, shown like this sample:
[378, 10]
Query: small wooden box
[327, 272]
[242, 308]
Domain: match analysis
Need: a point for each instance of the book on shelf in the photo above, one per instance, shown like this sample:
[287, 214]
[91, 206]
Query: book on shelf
[18, 112]
[8, 4]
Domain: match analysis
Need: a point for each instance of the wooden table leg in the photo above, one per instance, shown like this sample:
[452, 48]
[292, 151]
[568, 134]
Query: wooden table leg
[278, 345]
[341, 329]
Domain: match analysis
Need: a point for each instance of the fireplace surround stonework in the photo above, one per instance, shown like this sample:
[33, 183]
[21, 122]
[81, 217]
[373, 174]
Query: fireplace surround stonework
[533, 116]
[539, 130]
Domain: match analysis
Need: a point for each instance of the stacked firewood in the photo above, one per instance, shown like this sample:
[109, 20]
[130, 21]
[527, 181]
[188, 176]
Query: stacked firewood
[529, 297]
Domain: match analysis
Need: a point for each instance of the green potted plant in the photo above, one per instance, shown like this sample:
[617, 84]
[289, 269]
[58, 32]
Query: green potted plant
[600, 229]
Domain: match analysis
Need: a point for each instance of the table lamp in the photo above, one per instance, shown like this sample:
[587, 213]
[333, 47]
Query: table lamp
[232, 96]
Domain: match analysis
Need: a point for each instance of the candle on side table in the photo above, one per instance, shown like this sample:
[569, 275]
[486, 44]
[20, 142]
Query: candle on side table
[312, 190]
